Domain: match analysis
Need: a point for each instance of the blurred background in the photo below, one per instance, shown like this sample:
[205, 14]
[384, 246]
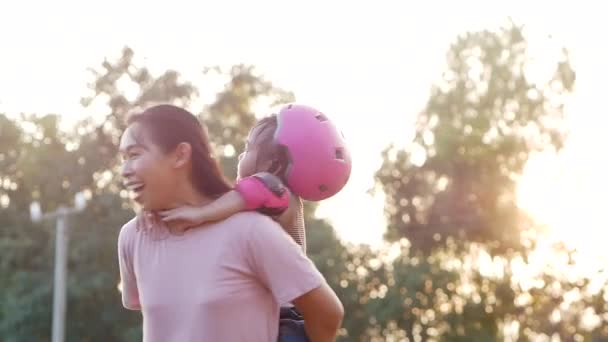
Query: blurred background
[475, 207]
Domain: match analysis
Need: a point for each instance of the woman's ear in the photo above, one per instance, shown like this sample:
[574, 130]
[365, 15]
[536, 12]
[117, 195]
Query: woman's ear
[182, 154]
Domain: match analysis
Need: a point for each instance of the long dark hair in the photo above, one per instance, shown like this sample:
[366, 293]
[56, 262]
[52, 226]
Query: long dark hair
[167, 126]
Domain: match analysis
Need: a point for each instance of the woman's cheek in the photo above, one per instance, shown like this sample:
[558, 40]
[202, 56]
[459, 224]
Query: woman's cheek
[140, 165]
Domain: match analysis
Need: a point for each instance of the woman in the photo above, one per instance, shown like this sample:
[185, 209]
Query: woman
[222, 283]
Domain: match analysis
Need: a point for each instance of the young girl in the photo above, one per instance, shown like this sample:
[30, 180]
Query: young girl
[298, 147]
[293, 155]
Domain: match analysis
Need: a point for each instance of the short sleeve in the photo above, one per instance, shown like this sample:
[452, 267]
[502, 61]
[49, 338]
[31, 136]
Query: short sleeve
[279, 262]
[130, 293]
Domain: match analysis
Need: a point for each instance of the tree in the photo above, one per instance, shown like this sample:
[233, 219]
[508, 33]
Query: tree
[451, 193]
[232, 115]
[40, 161]
[479, 127]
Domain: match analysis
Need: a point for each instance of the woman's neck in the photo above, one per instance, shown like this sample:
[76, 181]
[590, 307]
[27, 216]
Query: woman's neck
[187, 195]
[184, 195]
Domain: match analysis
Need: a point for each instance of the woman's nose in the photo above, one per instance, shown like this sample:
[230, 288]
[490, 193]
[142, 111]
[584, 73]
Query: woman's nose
[125, 170]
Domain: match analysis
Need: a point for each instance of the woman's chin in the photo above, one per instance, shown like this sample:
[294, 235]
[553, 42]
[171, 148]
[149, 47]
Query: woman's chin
[142, 204]
[152, 206]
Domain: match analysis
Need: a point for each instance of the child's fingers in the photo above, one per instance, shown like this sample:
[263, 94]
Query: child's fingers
[174, 217]
[168, 218]
[182, 226]
[166, 212]
[179, 210]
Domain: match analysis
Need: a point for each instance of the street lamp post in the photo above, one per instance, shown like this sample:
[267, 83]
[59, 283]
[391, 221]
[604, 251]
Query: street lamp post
[61, 257]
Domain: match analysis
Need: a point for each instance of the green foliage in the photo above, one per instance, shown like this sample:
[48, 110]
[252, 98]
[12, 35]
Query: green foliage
[472, 140]
[451, 206]
[448, 271]
[41, 162]
[231, 116]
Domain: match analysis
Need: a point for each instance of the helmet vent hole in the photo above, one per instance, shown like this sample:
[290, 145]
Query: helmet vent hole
[321, 117]
[339, 154]
[323, 187]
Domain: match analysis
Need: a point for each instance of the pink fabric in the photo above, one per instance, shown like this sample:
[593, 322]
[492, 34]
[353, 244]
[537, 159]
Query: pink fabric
[222, 282]
[257, 195]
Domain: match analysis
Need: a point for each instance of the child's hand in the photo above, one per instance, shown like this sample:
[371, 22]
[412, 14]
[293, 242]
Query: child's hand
[185, 217]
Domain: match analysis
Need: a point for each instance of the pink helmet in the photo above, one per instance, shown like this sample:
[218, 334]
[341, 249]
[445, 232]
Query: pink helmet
[319, 160]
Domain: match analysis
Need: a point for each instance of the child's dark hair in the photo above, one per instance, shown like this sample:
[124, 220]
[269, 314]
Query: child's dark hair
[269, 151]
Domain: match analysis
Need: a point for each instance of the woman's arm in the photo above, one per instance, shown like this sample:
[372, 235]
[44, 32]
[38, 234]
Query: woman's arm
[322, 311]
[128, 281]
[292, 278]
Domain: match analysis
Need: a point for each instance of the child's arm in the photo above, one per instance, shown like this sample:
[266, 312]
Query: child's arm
[230, 203]
[263, 192]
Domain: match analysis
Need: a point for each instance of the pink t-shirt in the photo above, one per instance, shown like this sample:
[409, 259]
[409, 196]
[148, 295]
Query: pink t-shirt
[222, 282]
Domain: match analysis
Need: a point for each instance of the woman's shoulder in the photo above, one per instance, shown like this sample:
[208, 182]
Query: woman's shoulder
[252, 221]
[130, 225]
[128, 229]
[254, 227]
[249, 219]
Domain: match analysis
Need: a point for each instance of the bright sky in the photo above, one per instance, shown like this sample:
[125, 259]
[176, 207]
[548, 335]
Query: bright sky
[368, 64]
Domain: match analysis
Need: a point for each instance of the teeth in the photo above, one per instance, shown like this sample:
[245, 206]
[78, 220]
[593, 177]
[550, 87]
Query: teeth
[135, 187]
